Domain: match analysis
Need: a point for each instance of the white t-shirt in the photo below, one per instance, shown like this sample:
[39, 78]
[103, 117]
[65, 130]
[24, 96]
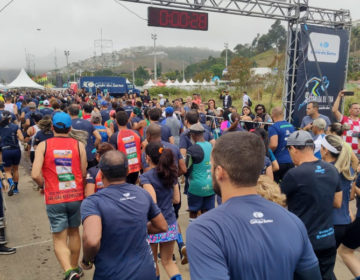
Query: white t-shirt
[246, 99]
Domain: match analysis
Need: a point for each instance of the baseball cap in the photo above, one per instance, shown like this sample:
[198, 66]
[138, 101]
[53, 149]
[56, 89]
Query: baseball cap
[21, 97]
[161, 95]
[197, 128]
[300, 138]
[169, 110]
[46, 102]
[61, 120]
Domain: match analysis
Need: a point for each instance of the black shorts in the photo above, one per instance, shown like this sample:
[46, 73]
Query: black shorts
[351, 238]
[11, 157]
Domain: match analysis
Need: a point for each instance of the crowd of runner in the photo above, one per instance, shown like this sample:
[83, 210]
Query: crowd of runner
[265, 200]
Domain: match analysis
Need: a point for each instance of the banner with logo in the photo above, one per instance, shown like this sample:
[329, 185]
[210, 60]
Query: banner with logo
[321, 69]
[113, 85]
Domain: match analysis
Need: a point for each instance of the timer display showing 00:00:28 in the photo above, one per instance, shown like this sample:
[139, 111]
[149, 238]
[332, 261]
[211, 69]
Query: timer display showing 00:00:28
[183, 19]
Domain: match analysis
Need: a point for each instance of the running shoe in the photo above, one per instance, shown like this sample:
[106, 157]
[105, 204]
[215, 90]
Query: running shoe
[73, 275]
[79, 271]
[7, 250]
[184, 259]
[15, 191]
[11, 190]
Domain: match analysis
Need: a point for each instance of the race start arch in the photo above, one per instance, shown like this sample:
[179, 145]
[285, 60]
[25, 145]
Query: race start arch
[317, 46]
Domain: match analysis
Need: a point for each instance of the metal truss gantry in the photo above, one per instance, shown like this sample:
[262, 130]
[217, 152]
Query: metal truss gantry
[295, 12]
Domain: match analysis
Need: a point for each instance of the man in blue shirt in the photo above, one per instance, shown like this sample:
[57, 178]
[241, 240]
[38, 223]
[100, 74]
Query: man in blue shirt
[115, 223]
[89, 128]
[312, 191]
[247, 236]
[278, 133]
[312, 113]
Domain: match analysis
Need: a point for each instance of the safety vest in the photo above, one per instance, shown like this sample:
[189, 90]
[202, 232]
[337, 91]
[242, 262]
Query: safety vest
[62, 171]
[98, 182]
[128, 142]
[200, 181]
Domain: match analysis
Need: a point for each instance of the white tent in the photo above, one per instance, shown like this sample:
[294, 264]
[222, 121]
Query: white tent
[149, 84]
[176, 83]
[191, 83]
[205, 83]
[184, 83]
[168, 83]
[2, 86]
[24, 81]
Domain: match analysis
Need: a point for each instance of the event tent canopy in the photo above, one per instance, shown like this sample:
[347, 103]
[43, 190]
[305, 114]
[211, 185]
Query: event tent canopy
[24, 81]
[2, 86]
[149, 84]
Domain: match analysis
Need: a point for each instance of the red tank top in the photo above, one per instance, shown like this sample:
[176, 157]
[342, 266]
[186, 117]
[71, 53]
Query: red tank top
[129, 142]
[98, 182]
[62, 171]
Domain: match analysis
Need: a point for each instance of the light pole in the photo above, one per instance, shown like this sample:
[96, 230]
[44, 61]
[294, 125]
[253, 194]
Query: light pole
[67, 53]
[154, 37]
[226, 45]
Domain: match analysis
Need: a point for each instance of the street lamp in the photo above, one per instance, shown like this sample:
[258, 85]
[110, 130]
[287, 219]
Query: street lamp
[67, 53]
[226, 45]
[154, 37]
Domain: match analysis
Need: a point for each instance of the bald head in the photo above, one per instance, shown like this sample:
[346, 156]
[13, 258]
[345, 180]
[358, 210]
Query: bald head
[153, 133]
[114, 165]
[277, 114]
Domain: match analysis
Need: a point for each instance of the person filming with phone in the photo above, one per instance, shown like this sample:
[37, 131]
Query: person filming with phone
[352, 135]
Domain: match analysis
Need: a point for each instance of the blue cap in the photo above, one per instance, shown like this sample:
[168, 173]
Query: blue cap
[169, 110]
[61, 120]
[104, 103]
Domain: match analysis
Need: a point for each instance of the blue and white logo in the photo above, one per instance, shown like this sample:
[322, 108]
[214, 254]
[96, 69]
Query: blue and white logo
[319, 170]
[326, 47]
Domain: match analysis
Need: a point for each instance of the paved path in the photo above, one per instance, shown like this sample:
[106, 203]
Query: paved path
[28, 230]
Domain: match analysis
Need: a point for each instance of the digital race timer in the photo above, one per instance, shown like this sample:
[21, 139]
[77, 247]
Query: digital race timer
[177, 19]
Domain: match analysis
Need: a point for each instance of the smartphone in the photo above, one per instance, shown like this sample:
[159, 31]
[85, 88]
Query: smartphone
[348, 93]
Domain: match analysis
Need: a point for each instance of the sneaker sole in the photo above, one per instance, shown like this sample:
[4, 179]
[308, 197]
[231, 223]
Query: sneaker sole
[184, 259]
[7, 253]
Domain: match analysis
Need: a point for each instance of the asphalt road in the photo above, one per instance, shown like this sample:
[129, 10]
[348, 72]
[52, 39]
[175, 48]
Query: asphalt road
[28, 230]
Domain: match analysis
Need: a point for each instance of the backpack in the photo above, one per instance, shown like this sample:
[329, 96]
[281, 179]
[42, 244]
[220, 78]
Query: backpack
[249, 102]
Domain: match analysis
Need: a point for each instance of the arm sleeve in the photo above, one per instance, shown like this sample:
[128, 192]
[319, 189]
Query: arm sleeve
[206, 258]
[89, 208]
[272, 131]
[183, 143]
[272, 156]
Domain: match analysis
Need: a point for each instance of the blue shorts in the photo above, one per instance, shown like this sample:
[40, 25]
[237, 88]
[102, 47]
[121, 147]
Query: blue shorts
[64, 215]
[11, 157]
[197, 203]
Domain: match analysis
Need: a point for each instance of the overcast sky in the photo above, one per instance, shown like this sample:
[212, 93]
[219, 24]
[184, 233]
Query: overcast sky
[75, 24]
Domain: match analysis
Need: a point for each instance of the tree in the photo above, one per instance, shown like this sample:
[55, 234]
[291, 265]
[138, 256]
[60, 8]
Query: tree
[203, 75]
[141, 73]
[139, 82]
[239, 71]
[217, 69]
[277, 35]
[243, 50]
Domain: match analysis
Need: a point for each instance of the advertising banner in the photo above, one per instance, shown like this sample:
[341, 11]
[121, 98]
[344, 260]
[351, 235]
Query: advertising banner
[112, 85]
[321, 71]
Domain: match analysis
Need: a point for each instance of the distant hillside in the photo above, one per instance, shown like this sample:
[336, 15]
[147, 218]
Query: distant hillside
[171, 58]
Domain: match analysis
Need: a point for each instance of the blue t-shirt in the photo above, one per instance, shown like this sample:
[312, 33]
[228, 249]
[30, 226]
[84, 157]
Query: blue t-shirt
[282, 129]
[46, 111]
[358, 198]
[165, 132]
[89, 128]
[307, 119]
[105, 116]
[248, 237]
[102, 132]
[175, 150]
[164, 195]
[28, 116]
[185, 142]
[41, 136]
[8, 135]
[310, 189]
[124, 251]
[342, 214]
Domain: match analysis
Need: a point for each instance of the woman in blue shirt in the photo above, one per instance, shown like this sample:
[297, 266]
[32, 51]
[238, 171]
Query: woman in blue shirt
[334, 151]
[161, 183]
[11, 154]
